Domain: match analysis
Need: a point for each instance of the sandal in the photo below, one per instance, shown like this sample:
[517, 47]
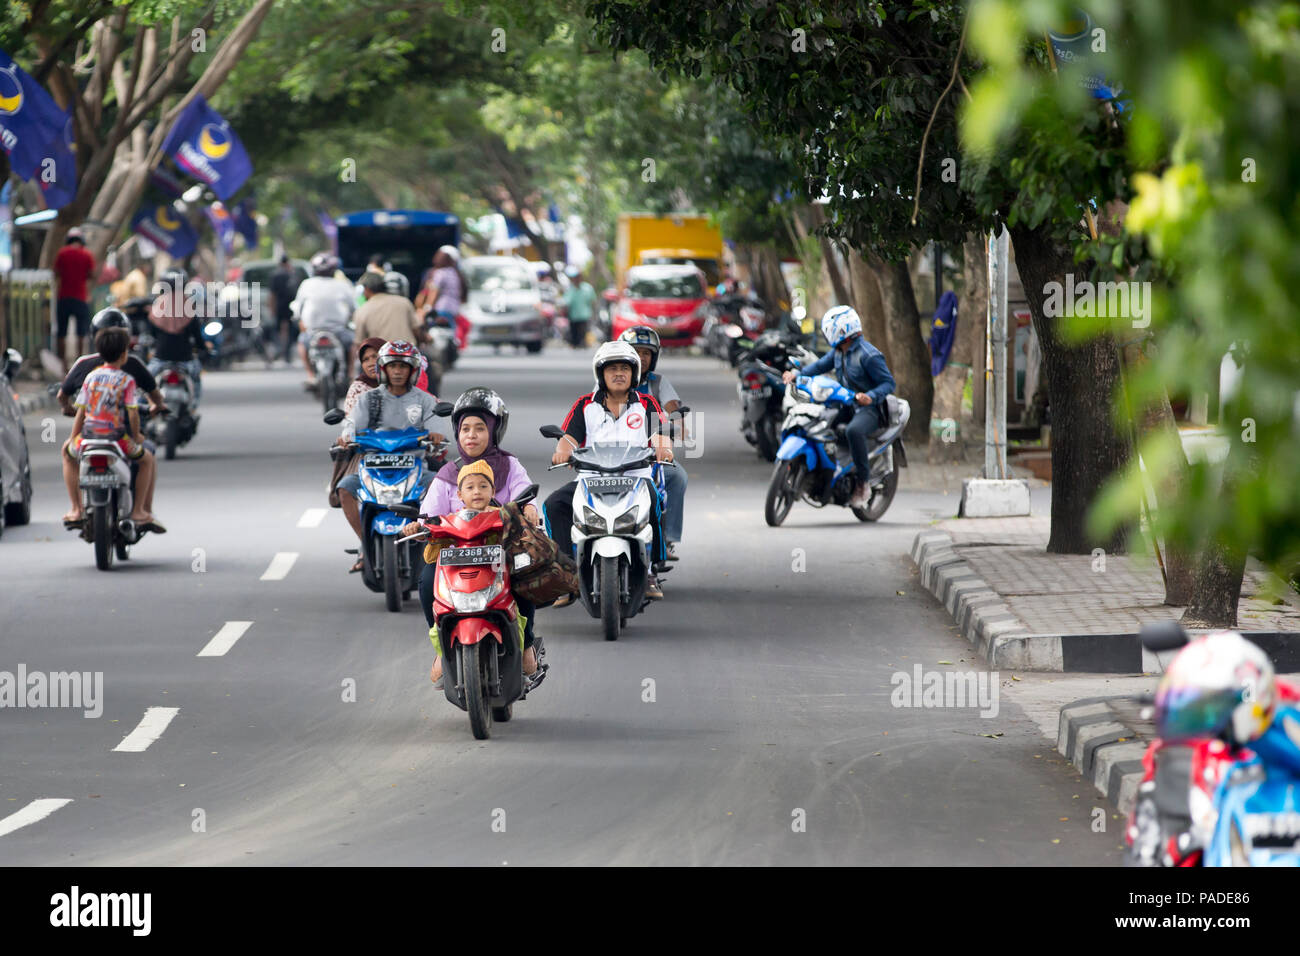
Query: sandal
[72, 523]
[356, 567]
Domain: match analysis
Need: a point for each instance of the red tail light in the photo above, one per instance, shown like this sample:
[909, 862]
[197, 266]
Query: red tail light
[172, 378]
[753, 381]
[323, 340]
[99, 463]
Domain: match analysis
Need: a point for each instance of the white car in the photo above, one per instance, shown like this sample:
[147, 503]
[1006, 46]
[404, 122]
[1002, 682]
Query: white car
[504, 304]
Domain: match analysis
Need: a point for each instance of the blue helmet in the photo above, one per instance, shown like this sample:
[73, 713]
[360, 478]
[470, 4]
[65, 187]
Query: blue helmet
[839, 323]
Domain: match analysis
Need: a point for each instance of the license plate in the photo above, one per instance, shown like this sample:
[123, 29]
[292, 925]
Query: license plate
[390, 461]
[610, 484]
[99, 478]
[483, 554]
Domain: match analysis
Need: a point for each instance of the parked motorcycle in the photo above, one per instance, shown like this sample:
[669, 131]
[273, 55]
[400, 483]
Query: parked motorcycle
[1204, 802]
[814, 462]
[396, 468]
[480, 630]
[327, 358]
[181, 421]
[106, 478]
[611, 528]
[761, 390]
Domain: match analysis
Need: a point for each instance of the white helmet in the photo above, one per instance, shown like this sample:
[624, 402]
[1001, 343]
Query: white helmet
[616, 351]
[839, 323]
[451, 251]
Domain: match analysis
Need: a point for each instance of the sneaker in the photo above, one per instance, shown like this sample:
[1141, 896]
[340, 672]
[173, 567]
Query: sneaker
[652, 589]
[672, 551]
[861, 495]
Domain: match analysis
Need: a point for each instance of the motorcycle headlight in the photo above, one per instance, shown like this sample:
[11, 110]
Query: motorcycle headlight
[388, 494]
[472, 602]
[592, 521]
[630, 521]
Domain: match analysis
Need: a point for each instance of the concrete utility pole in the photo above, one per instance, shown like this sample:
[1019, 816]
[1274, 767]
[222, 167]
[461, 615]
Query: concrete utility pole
[995, 495]
[995, 360]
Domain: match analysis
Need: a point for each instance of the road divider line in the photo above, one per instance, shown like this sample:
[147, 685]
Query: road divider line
[279, 567]
[35, 811]
[225, 638]
[312, 517]
[150, 728]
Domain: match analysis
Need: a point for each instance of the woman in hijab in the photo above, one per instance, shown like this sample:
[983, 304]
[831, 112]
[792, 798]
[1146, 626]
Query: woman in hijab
[367, 355]
[479, 418]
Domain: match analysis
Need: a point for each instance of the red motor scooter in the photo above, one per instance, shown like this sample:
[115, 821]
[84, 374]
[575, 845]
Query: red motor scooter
[479, 629]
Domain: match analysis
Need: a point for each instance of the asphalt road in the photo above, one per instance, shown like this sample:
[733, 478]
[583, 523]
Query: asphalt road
[771, 738]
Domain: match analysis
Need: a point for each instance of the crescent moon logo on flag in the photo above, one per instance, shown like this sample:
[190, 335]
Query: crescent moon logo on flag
[214, 146]
[11, 91]
[161, 217]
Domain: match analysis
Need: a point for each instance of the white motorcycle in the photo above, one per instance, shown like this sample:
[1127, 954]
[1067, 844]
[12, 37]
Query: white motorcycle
[105, 480]
[611, 529]
[325, 352]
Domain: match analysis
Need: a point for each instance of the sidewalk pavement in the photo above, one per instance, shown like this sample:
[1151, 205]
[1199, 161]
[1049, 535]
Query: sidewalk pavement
[33, 396]
[1029, 610]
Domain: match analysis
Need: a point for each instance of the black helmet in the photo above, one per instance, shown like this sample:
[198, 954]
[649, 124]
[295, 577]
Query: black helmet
[479, 399]
[643, 337]
[109, 319]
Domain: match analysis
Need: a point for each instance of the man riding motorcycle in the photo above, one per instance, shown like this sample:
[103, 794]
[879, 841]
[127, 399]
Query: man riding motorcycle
[646, 342]
[176, 336]
[395, 405]
[324, 302]
[614, 413]
[860, 366]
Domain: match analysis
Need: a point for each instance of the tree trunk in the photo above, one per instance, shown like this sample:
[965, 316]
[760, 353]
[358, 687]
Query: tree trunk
[972, 311]
[816, 294]
[950, 384]
[1082, 382]
[910, 356]
[870, 307]
[839, 285]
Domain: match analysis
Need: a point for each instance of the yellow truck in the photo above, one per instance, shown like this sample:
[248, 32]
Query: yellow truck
[646, 239]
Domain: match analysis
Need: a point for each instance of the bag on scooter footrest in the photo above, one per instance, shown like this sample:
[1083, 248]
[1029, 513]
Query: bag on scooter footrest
[538, 572]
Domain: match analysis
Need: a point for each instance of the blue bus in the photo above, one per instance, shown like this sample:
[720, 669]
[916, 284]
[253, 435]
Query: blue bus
[406, 238]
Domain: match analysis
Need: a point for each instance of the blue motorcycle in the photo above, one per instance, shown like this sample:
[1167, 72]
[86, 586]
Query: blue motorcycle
[814, 462]
[396, 469]
[1258, 801]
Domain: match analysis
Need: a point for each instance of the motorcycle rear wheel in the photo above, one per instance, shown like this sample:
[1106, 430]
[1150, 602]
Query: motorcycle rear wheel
[768, 438]
[104, 532]
[327, 391]
[476, 699]
[610, 616]
[171, 438]
[782, 490]
[502, 715]
[881, 498]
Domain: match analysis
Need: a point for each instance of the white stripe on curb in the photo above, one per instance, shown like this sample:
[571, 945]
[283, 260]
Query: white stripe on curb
[312, 517]
[34, 811]
[279, 567]
[150, 728]
[225, 638]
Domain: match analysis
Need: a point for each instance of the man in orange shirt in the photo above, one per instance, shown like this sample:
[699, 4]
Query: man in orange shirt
[73, 267]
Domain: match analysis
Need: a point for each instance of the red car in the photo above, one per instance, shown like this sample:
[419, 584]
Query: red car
[671, 299]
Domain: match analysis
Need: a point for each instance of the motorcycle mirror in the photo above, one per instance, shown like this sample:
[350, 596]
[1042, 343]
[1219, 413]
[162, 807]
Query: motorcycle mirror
[333, 416]
[680, 411]
[527, 495]
[552, 431]
[1162, 636]
[443, 409]
[406, 511]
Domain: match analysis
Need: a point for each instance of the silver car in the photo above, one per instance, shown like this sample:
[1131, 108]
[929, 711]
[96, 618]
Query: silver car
[504, 305]
[15, 463]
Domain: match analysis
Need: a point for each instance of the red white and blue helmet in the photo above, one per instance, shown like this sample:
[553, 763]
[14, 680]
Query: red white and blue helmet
[839, 323]
[398, 351]
[1220, 685]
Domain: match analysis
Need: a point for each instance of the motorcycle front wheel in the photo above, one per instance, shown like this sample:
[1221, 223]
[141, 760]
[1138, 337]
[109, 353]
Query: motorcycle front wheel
[610, 617]
[476, 699]
[782, 490]
[392, 575]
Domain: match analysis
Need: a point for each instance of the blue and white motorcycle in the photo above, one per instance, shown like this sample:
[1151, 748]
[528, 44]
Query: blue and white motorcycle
[396, 468]
[814, 462]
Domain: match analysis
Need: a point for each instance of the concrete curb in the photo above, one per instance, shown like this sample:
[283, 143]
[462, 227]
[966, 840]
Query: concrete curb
[985, 620]
[1102, 748]
[35, 401]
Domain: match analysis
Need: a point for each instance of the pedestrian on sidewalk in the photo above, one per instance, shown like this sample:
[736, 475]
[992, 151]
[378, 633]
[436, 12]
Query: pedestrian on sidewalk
[73, 267]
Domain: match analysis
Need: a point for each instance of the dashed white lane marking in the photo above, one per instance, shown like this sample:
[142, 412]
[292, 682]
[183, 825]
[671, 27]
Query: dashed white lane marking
[34, 811]
[312, 517]
[225, 638]
[279, 567]
[150, 728]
